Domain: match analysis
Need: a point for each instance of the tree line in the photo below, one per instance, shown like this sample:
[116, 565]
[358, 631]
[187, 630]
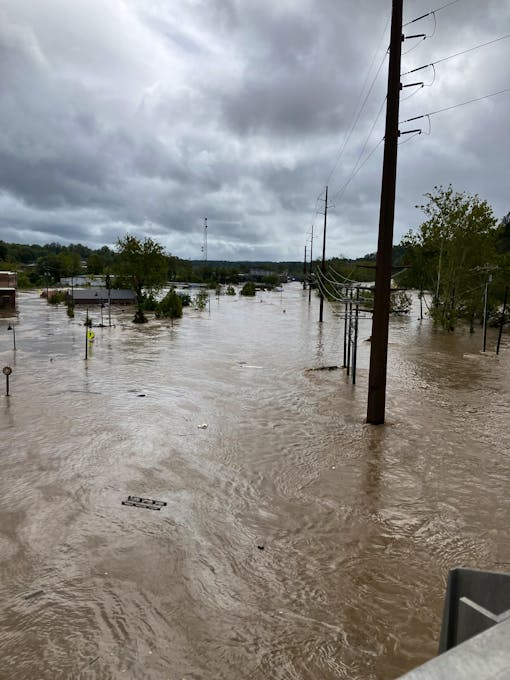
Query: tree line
[459, 255]
[41, 265]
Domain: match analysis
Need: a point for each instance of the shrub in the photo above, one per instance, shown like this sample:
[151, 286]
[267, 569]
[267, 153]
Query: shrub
[139, 316]
[185, 299]
[248, 289]
[57, 296]
[201, 299]
[230, 290]
[150, 304]
[170, 306]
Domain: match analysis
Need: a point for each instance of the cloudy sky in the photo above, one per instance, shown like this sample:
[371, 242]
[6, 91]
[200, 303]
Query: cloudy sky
[145, 116]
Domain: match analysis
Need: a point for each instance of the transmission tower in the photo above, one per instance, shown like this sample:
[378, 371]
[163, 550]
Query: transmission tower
[204, 246]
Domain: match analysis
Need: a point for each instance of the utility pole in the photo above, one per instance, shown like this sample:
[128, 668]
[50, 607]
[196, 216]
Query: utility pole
[380, 323]
[323, 266]
[304, 269]
[310, 275]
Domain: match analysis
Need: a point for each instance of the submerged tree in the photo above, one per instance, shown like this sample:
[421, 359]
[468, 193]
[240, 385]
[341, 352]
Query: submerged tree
[451, 254]
[143, 265]
[170, 306]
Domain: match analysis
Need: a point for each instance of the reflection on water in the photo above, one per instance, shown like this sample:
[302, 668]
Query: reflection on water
[297, 542]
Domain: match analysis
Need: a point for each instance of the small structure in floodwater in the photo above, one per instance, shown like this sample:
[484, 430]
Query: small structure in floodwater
[95, 296]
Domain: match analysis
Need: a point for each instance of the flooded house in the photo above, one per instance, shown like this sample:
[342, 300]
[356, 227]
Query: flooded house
[8, 283]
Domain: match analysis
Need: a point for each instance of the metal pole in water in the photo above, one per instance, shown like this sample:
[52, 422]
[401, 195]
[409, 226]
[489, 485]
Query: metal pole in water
[87, 336]
[502, 320]
[310, 274]
[344, 365]
[349, 340]
[13, 329]
[485, 296]
[355, 347]
[323, 264]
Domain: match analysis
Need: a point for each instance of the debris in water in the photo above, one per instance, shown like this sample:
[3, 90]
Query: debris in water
[323, 368]
[204, 426]
[36, 593]
[260, 547]
[141, 395]
[148, 503]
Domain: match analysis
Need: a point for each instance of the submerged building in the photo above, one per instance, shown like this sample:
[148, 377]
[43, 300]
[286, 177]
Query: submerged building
[8, 283]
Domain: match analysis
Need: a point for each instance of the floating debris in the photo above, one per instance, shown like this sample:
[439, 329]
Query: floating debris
[323, 368]
[36, 593]
[204, 426]
[260, 547]
[147, 503]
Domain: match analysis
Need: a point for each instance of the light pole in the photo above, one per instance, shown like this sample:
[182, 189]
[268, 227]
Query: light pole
[485, 296]
[109, 287]
[13, 329]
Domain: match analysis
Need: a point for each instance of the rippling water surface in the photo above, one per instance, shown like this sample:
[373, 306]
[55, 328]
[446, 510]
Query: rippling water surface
[358, 524]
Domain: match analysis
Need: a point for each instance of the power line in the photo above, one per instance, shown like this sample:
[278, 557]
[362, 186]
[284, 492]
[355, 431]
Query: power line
[360, 110]
[423, 16]
[455, 106]
[357, 166]
[457, 54]
[343, 188]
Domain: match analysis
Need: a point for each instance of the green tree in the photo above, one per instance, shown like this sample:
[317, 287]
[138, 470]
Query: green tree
[95, 264]
[248, 289]
[201, 300]
[170, 306]
[143, 265]
[70, 264]
[451, 253]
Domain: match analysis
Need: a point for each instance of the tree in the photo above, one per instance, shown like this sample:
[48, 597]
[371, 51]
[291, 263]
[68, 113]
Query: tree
[95, 264]
[248, 289]
[451, 254]
[144, 265]
[70, 264]
[503, 237]
[170, 306]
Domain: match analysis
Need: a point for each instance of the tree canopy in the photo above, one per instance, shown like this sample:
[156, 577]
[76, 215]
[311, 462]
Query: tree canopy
[453, 254]
[143, 266]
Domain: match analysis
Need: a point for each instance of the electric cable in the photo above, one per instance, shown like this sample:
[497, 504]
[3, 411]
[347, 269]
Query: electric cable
[360, 110]
[457, 54]
[455, 106]
[423, 16]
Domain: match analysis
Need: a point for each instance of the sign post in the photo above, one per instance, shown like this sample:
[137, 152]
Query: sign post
[7, 370]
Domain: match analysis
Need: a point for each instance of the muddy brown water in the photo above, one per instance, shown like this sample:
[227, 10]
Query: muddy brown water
[358, 524]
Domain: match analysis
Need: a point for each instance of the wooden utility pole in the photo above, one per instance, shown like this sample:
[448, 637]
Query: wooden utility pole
[379, 349]
[323, 266]
[304, 269]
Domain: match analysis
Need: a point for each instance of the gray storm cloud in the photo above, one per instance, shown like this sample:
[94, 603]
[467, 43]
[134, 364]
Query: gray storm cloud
[142, 116]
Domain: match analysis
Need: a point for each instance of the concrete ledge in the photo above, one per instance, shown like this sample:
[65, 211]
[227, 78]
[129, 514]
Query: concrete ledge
[484, 657]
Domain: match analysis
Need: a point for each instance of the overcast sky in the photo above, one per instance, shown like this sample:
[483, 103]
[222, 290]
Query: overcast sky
[145, 116]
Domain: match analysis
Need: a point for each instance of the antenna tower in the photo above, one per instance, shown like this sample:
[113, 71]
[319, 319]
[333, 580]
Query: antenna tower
[204, 247]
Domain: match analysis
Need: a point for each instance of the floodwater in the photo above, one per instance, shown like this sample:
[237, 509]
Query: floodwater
[297, 542]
